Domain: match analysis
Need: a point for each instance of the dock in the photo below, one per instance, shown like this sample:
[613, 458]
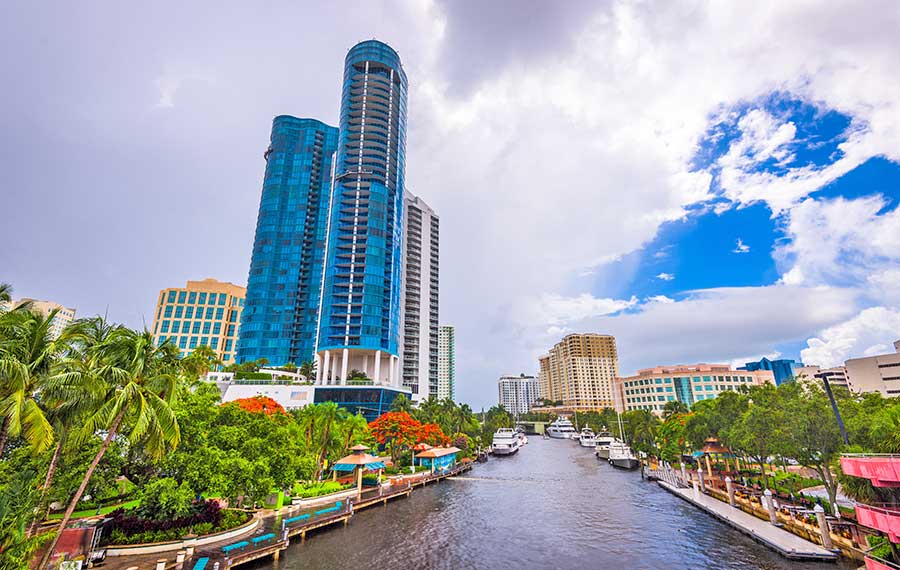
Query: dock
[785, 543]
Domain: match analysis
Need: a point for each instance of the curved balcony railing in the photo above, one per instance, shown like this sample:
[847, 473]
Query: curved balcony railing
[875, 563]
[885, 519]
[882, 470]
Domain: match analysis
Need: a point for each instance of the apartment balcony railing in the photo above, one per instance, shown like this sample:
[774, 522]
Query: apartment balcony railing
[882, 470]
[885, 519]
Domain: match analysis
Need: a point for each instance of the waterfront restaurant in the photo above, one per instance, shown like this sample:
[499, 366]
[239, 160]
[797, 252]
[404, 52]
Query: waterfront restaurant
[438, 458]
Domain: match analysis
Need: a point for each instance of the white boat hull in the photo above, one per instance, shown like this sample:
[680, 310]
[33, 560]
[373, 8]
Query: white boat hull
[504, 450]
[559, 435]
[629, 463]
[602, 452]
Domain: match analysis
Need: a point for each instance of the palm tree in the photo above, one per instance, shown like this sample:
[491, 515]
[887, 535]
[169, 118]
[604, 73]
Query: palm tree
[328, 413]
[201, 360]
[401, 404]
[674, 407]
[307, 370]
[27, 355]
[138, 387]
[5, 292]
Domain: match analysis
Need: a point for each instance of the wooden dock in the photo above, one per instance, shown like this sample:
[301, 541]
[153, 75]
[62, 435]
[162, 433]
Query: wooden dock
[785, 543]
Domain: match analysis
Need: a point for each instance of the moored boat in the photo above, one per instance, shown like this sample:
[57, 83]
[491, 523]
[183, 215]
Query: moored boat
[505, 442]
[586, 437]
[561, 428]
[602, 440]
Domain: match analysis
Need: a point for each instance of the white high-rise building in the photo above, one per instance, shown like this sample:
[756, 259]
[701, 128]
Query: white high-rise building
[518, 393]
[419, 298]
[446, 384]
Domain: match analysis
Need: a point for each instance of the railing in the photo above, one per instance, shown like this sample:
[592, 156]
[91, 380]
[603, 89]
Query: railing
[875, 563]
[882, 470]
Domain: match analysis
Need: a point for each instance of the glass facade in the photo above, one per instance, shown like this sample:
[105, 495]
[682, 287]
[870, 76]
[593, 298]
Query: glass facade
[783, 369]
[361, 295]
[371, 402]
[283, 288]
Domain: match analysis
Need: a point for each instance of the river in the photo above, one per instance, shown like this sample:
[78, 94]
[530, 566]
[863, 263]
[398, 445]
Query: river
[553, 505]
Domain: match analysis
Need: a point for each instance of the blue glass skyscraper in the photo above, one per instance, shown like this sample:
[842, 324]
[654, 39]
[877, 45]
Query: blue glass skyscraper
[281, 310]
[360, 310]
[782, 369]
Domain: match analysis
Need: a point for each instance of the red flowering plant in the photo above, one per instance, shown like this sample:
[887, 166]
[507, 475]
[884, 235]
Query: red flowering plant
[397, 431]
[259, 404]
[432, 434]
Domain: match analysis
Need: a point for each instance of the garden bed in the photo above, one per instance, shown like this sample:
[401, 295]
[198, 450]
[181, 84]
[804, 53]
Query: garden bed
[152, 548]
[127, 528]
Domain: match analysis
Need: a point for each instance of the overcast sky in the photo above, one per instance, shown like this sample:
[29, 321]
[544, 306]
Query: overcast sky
[707, 181]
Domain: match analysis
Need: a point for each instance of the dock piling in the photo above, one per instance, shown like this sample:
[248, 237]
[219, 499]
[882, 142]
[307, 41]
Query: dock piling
[729, 484]
[823, 527]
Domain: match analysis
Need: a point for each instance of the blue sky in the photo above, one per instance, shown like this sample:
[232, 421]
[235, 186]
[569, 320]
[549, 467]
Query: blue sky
[575, 152]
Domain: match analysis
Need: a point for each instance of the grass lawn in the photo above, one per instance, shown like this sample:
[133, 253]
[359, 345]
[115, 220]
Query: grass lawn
[103, 511]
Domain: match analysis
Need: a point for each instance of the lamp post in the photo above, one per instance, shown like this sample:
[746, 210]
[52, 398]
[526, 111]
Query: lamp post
[834, 407]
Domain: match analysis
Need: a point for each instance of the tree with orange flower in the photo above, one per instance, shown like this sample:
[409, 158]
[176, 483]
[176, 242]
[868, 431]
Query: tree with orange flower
[397, 431]
[432, 434]
[259, 404]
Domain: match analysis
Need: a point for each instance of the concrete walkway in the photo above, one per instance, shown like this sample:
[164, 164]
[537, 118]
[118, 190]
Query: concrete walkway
[786, 543]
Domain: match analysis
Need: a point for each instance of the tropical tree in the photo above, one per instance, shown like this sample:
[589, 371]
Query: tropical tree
[674, 407]
[395, 430]
[136, 383]
[201, 360]
[27, 356]
[759, 431]
[402, 404]
[17, 509]
[307, 369]
[5, 292]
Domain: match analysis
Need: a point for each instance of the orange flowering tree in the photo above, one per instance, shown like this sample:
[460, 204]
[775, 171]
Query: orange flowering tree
[259, 404]
[397, 431]
[432, 434]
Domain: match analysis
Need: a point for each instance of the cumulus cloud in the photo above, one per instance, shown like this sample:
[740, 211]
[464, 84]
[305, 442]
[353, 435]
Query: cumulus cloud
[870, 332]
[665, 276]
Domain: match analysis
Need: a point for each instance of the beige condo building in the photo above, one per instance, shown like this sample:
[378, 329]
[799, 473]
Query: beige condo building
[580, 371]
[206, 312]
[64, 315]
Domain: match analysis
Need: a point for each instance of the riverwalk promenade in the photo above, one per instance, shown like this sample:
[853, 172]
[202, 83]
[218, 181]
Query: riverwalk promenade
[784, 542]
[276, 529]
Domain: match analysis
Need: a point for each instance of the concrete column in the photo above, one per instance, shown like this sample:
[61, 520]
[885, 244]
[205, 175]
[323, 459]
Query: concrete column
[345, 360]
[696, 483]
[702, 481]
[334, 370]
[684, 477]
[823, 527]
[770, 506]
[179, 560]
[323, 372]
[318, 379]
[161, 564]
[366, 365]
[377, 367]
[729, 485]
[391, 370]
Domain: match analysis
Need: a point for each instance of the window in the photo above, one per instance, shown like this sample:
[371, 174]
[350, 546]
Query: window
[228, 345]
[232, 317]
[181, 297]
[230, 330]
[189, 313]
[217, 328]
[209, 312]
[182, 342]
[202, 299]
[179, 311]
[165, 326]
[168, 311]
[222, 298]
[206, 327]
[196, 329]
[220, 313]
[226, 358]
[205, 341]
[659, 380]
[193, 342]
[214, 343]
[171, 297]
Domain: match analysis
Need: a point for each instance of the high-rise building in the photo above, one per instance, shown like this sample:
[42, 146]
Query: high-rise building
[284, 286]
[651, 388]
[517, 393]
[204, 312]
[876, 373]
[419, 298]
[446, 383]
[579, 371]
[64, 315]
[359, 316]
[784, 369]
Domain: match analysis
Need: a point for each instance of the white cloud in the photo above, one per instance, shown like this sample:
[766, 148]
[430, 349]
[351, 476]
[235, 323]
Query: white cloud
[741, 247]
[660, 299]
[868, 333]
[665, 276]
[558, 310]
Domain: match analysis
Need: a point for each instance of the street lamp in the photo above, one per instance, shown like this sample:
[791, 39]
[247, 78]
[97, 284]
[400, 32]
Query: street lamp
[834, 407]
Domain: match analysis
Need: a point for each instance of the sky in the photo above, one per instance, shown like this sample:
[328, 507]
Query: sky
[706, 181]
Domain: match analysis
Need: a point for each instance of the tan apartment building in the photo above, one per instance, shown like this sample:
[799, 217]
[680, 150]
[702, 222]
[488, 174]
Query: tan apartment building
[837, 376]
[580, 371]
[876, 373]
[651, 388]
[64, 315]
[206, 312]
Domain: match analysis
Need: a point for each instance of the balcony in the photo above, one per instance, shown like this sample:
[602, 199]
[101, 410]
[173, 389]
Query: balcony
[887, 520]
[873, 563]
[882, 470]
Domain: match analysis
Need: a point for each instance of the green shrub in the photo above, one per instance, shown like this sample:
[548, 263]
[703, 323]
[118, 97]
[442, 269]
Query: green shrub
[309, 490]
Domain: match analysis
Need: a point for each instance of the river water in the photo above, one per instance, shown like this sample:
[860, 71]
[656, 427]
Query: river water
[553, 505]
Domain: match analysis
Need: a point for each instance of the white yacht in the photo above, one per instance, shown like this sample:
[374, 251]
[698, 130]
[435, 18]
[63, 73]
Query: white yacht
[523, 439]
[602, 440]
[505, 442]
[621, 456]
[561, 428]
[586, 438]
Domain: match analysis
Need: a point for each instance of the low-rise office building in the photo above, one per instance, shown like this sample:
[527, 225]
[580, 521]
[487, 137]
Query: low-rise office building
[837, 376]
[651, 388]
